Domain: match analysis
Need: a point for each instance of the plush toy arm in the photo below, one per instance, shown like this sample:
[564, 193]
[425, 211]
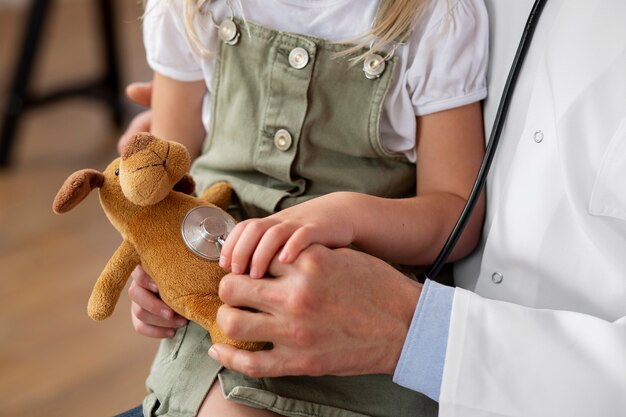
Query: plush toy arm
[109, 286]
[219, 194]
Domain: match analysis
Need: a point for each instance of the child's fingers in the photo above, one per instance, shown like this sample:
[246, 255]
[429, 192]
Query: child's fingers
[143, 280]
[140, 93]
[246, 244]
[268, 246]
[139, 123]
[149, 302]
[150, 330]
[139, 314]
[150, 316]
[231, 240]
[300, 240]
[154, 332]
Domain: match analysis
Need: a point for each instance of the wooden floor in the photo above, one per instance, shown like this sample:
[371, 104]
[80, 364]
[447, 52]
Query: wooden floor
[55, 361]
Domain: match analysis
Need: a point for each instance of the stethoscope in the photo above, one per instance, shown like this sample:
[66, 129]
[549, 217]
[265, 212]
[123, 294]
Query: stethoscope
[204, 229]
[494, 138]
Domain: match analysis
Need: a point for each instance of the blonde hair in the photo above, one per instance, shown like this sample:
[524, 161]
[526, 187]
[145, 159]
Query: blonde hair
[394, 22]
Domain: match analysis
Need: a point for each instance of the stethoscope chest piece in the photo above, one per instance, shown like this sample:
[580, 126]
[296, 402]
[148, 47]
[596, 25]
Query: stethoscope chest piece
[204, 230]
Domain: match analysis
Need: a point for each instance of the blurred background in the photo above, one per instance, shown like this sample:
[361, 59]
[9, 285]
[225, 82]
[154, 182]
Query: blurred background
[54, 360]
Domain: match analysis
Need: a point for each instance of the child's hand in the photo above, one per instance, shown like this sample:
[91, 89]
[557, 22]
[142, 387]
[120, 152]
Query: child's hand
[150, 315]
[325, 220]
[140, 93]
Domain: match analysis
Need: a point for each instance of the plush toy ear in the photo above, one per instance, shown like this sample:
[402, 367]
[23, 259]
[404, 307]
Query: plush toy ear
[185, 185]
[76, 188]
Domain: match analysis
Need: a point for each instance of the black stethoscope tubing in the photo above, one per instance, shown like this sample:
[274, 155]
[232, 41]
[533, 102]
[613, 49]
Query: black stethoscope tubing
[492, 144]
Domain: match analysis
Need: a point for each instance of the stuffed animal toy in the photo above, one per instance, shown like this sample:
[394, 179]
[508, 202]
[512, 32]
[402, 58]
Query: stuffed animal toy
[146, 195]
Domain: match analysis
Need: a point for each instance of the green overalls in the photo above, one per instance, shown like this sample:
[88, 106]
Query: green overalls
[290, 121]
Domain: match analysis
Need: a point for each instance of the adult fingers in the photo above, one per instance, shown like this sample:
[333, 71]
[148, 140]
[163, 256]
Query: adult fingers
[250, 326]
[260, 364]
[308, 263]
[243, 291]
[140, 93]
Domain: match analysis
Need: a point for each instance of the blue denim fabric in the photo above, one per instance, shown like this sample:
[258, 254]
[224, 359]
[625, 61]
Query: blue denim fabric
[135, 412]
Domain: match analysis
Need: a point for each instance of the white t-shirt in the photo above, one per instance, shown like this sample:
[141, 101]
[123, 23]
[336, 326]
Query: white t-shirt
[442, 66]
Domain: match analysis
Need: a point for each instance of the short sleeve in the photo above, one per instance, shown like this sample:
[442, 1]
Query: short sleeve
[449, 65]
[168, 50]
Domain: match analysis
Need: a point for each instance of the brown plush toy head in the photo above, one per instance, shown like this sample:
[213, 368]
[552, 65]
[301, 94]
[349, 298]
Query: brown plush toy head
[147, 172]
[150, 168]
[145, 194]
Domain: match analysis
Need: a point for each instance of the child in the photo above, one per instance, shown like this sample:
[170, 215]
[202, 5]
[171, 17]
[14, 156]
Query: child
[374, 145]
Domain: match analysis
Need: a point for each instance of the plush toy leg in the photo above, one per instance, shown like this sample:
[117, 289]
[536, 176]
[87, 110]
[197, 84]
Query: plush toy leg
[109, 286]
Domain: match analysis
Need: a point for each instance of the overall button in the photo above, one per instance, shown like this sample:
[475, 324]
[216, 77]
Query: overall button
[373, 66]
[497, 277]
[282, 140]
[538, 136]
[298, 58]
[228, 32]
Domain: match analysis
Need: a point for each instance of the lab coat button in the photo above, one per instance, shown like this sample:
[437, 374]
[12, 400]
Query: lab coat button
[497, 277]
[282, 140]
[538, 136]
[298, 58]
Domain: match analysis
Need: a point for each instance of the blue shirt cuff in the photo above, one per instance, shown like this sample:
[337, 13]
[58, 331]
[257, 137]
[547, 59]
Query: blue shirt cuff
[420, 367]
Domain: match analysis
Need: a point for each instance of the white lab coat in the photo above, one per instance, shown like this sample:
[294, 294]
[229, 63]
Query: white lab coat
[550, 338]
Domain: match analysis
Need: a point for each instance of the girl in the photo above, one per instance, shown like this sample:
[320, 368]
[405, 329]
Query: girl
[373, 143]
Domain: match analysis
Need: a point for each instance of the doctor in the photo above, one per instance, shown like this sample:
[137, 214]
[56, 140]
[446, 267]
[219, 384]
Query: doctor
[537, 326]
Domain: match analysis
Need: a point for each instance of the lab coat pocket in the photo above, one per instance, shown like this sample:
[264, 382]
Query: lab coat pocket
[608, 196]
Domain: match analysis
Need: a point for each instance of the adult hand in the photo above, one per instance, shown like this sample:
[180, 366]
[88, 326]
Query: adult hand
[140, 93]
[150, 315]
[330, 312]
